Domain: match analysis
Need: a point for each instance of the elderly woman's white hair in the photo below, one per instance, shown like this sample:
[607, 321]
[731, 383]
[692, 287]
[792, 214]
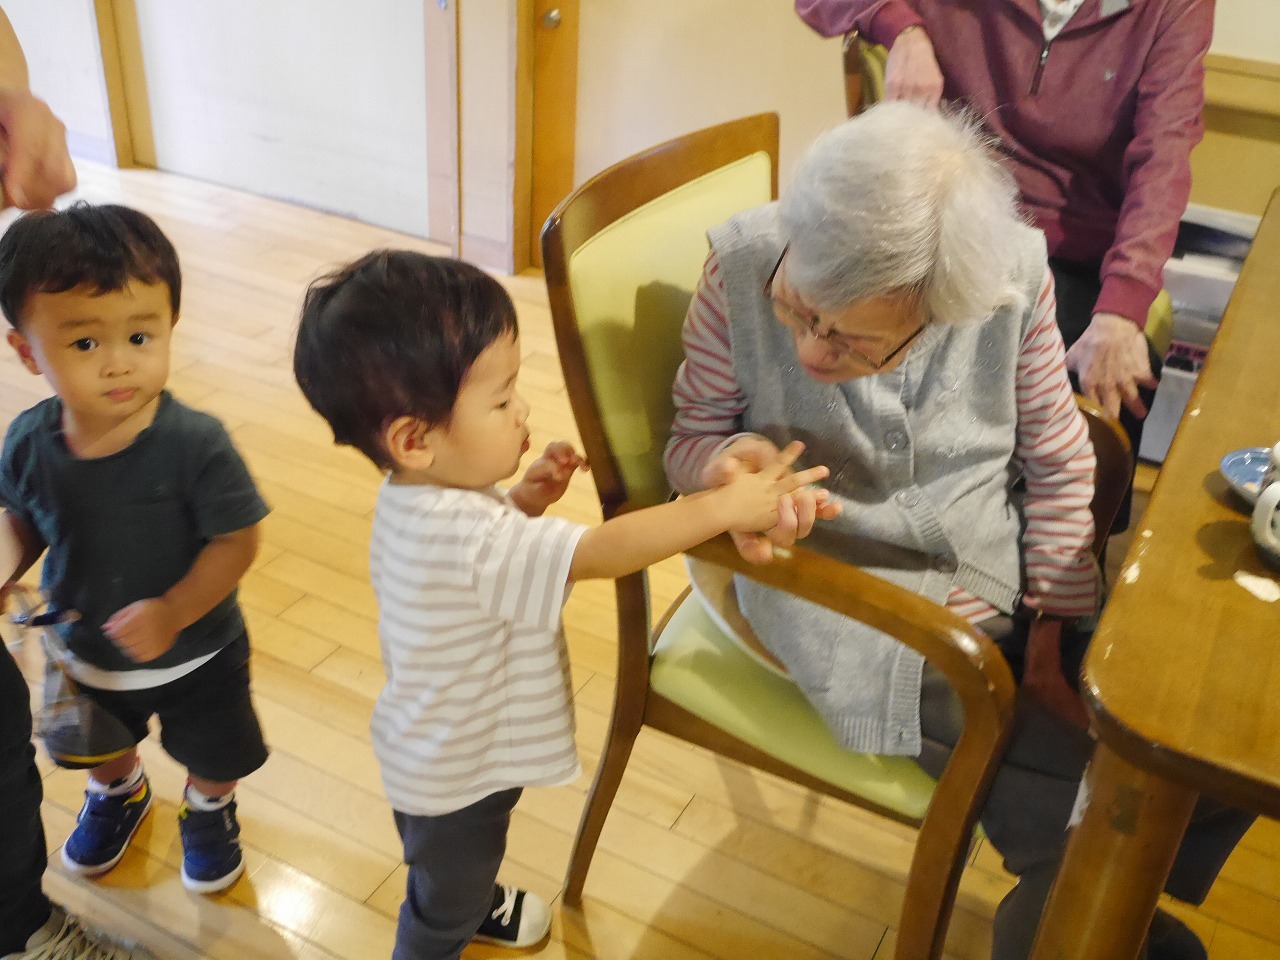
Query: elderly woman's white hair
[903, 198]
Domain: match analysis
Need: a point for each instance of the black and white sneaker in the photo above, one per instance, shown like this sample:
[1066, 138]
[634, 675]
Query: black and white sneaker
[516, 918]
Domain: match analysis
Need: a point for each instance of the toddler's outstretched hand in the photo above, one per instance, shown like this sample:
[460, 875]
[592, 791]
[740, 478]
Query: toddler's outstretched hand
[143, 630]
[753, 498]
[547, 478]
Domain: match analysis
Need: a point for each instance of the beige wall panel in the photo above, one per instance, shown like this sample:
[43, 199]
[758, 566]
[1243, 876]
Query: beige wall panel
[487, 58]
[1247, 28]
[322, 102]
[651, 71]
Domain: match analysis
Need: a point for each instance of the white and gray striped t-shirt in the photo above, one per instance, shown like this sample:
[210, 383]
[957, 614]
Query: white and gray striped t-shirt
[478, 691]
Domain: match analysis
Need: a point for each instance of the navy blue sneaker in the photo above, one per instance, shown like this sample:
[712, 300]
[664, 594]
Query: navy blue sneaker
[104, 828]
[516, 918]
[211, 857]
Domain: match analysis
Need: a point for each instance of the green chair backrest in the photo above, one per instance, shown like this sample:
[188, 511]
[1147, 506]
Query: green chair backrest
[631, 285]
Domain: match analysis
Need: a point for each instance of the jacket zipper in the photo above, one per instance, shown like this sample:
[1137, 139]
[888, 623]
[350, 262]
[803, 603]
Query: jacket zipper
[1044, 55]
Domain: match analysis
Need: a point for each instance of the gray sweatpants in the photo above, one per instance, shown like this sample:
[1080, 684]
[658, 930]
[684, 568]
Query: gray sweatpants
[453, 862]
[1026, 813]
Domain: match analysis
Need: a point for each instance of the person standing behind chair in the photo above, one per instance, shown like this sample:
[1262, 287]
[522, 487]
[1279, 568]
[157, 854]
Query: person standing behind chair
[37, 170]
[1097, 105]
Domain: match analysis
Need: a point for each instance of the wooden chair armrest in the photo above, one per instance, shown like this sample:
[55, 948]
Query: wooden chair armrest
[966, 656]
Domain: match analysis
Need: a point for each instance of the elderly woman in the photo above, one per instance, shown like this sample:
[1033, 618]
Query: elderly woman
[894, 313]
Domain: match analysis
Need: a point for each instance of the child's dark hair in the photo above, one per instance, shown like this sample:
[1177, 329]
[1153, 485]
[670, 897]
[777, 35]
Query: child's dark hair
[102, 247]
[391, 335]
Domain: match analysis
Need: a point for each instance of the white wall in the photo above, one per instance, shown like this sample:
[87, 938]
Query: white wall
[321, 102]
[487, 59]
[1247, 28]
[649, 71]
[60, 40]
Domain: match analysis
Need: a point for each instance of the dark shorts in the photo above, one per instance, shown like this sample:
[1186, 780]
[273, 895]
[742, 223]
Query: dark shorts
[207, 721]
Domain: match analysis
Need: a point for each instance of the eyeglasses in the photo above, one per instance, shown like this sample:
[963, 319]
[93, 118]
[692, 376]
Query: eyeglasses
[841, 343]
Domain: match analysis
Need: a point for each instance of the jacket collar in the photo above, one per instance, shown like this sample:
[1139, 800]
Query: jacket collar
[1090, 12]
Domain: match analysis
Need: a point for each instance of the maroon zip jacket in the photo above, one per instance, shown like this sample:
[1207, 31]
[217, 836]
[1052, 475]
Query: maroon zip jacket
[1098, 125]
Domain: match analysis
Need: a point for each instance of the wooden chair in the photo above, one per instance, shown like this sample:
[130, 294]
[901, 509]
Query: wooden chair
[714, 584]
[1115, 469]
[863, 72]
[622, 256]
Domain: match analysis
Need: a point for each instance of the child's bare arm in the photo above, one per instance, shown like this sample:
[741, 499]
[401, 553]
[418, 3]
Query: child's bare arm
[748, 501]
[148, 628]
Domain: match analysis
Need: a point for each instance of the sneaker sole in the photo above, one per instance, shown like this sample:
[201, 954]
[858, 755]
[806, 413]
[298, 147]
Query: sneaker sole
[514, 944]
[212, 886]
[98, 869]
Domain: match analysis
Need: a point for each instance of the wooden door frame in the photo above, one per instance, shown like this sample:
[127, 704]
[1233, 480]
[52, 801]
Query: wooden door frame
[545, 98]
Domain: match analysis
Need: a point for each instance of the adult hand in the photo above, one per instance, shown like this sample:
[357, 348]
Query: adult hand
[144, 629]
[33, 152]
[797, 511]
[1112, 361]
[911, 69]
[1042, 674]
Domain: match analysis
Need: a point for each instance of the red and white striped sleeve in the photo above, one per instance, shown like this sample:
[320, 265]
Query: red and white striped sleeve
[1053, 444]
[709, 403]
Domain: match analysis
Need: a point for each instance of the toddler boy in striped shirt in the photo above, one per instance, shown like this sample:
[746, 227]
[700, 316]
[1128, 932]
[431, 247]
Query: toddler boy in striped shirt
[413, 361]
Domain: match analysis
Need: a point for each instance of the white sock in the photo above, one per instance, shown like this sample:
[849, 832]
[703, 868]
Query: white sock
[115, 788]
[199, 801]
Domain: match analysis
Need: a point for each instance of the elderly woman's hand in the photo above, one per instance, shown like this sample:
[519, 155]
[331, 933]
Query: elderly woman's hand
[797, 511]
[1042, 674]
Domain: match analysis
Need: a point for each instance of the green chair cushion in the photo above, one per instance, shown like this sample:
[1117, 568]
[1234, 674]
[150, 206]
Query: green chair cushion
[698, 666]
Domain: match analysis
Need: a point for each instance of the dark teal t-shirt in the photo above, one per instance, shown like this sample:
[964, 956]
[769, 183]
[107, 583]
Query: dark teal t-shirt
[128, 526]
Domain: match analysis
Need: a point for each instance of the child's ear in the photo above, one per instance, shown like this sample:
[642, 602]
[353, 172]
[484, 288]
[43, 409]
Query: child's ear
[408, 441]
[22, 347]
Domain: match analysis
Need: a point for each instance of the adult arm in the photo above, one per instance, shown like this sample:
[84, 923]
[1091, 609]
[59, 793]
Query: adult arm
[1059, 462]
[706, 444]
[33, 142]
[911, 70]
[708, 400]
[1110, 357]
[880, 21]
[20, 548]
[747, 502]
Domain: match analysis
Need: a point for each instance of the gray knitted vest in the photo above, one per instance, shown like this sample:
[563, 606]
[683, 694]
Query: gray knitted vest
[922, 459]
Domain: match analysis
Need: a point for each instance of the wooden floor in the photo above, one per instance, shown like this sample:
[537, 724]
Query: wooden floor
[700, 858]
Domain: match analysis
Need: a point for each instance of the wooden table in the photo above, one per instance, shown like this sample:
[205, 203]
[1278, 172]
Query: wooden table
[1183, 676]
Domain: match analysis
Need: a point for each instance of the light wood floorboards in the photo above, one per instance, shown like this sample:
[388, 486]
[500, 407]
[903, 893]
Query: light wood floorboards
[700, 859]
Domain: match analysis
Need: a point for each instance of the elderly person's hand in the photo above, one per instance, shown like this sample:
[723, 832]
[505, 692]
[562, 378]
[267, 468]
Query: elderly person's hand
[1042, 674]
[1112, 361]
[797, 511]
[911, 69]
[33, 151]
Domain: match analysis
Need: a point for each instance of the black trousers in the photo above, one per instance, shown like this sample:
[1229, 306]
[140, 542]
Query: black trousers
[23, 906]
[1077, 286]
[453, 862]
